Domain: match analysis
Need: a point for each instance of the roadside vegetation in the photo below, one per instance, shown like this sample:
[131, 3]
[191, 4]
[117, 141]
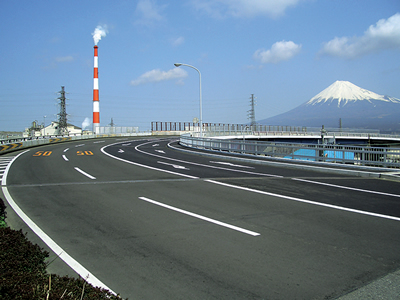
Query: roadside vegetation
[23, 273]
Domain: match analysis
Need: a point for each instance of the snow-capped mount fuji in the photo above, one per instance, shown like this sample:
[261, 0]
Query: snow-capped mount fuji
[355, 107]
[344, 92]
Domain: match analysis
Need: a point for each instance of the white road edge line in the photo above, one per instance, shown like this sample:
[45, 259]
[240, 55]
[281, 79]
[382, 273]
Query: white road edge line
[201, 217]
[306, 201]
[84, 173]
[76, 266]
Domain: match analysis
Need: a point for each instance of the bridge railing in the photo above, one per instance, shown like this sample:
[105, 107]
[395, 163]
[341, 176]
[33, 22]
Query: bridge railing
[386, 157]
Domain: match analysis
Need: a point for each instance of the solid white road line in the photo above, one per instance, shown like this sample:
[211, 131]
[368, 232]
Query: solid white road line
[200, 217]
[144, 166]
[76, 266]
[306, 201]
[84, 173]
[346, 187]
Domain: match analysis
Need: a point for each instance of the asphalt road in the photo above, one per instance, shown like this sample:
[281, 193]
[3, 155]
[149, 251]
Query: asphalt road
[152, 222]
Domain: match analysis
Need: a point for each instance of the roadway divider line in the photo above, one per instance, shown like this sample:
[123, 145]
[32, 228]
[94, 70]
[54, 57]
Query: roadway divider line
[362, 212]
[144, 166]
[346, 187]
[201, 217]
[84, 173]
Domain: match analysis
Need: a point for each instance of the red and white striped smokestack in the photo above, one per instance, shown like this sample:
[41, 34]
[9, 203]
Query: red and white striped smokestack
[96, 103]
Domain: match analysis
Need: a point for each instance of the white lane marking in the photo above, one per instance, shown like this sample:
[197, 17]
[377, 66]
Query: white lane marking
[84, 173]
[175, 166]
[327, 184]
[126, 144]
[80, 145]
[201, 217]
[98, 142]
[230, 164]
[65, 158]
[121, 151]
[202, 165]
[346, 187]
[155, 145]
[76, 266]
[160, 151]
[4, 179]
[306, 201]
[144, 166]
[65, 150]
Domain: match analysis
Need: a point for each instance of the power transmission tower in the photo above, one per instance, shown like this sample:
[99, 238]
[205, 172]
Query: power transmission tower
[252, 113]
[112, 123]
[62, 116]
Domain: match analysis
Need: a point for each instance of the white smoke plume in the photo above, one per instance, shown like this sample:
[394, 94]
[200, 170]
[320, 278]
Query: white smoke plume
[99, 32]
[85, 123]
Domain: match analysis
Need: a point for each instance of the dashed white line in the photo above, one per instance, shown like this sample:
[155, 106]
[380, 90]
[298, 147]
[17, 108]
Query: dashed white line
[84, 173]
[201, 217]
[65, 158]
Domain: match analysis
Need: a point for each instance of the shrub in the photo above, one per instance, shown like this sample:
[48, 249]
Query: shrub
[2, 214]
[23, 272]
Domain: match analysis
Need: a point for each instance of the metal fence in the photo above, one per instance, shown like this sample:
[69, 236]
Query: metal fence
[110, 130]
[386, 157]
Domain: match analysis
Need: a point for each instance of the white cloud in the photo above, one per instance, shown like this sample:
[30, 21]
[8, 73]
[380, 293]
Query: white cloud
[280, 51]
[178, 41]
[384, 35]
[149, 12]
[244, 8]
[157, 75]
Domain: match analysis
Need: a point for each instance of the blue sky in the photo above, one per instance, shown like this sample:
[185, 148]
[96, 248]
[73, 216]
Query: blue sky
[284, 52]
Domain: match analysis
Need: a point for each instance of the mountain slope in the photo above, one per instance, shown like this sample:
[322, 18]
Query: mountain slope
[356, 107]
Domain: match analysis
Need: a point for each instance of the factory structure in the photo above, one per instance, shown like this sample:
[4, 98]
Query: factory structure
[96, 103]
[52, 129]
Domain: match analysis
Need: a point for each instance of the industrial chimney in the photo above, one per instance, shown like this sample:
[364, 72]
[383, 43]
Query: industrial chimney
[96, 103]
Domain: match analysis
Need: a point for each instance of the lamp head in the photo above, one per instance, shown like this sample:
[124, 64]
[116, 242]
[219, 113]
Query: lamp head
[177, 65]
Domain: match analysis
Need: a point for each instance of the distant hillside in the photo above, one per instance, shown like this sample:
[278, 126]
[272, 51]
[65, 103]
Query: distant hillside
[354, 106]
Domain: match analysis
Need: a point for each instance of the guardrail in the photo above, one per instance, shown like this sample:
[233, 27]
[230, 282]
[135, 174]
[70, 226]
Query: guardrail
[17, 144]
[386, 157]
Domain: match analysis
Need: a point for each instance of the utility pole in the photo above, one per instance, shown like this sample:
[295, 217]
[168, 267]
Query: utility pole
[62, 116]
[252, 113]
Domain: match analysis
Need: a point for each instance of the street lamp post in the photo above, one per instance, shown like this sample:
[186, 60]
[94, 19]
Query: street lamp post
[201, 109]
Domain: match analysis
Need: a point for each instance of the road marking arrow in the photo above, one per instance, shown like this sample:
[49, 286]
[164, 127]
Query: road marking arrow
[175, 166]
[230, 164]
[121, 151]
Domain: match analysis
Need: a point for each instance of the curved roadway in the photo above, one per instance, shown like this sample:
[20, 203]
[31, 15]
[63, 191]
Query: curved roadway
[152, 222]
